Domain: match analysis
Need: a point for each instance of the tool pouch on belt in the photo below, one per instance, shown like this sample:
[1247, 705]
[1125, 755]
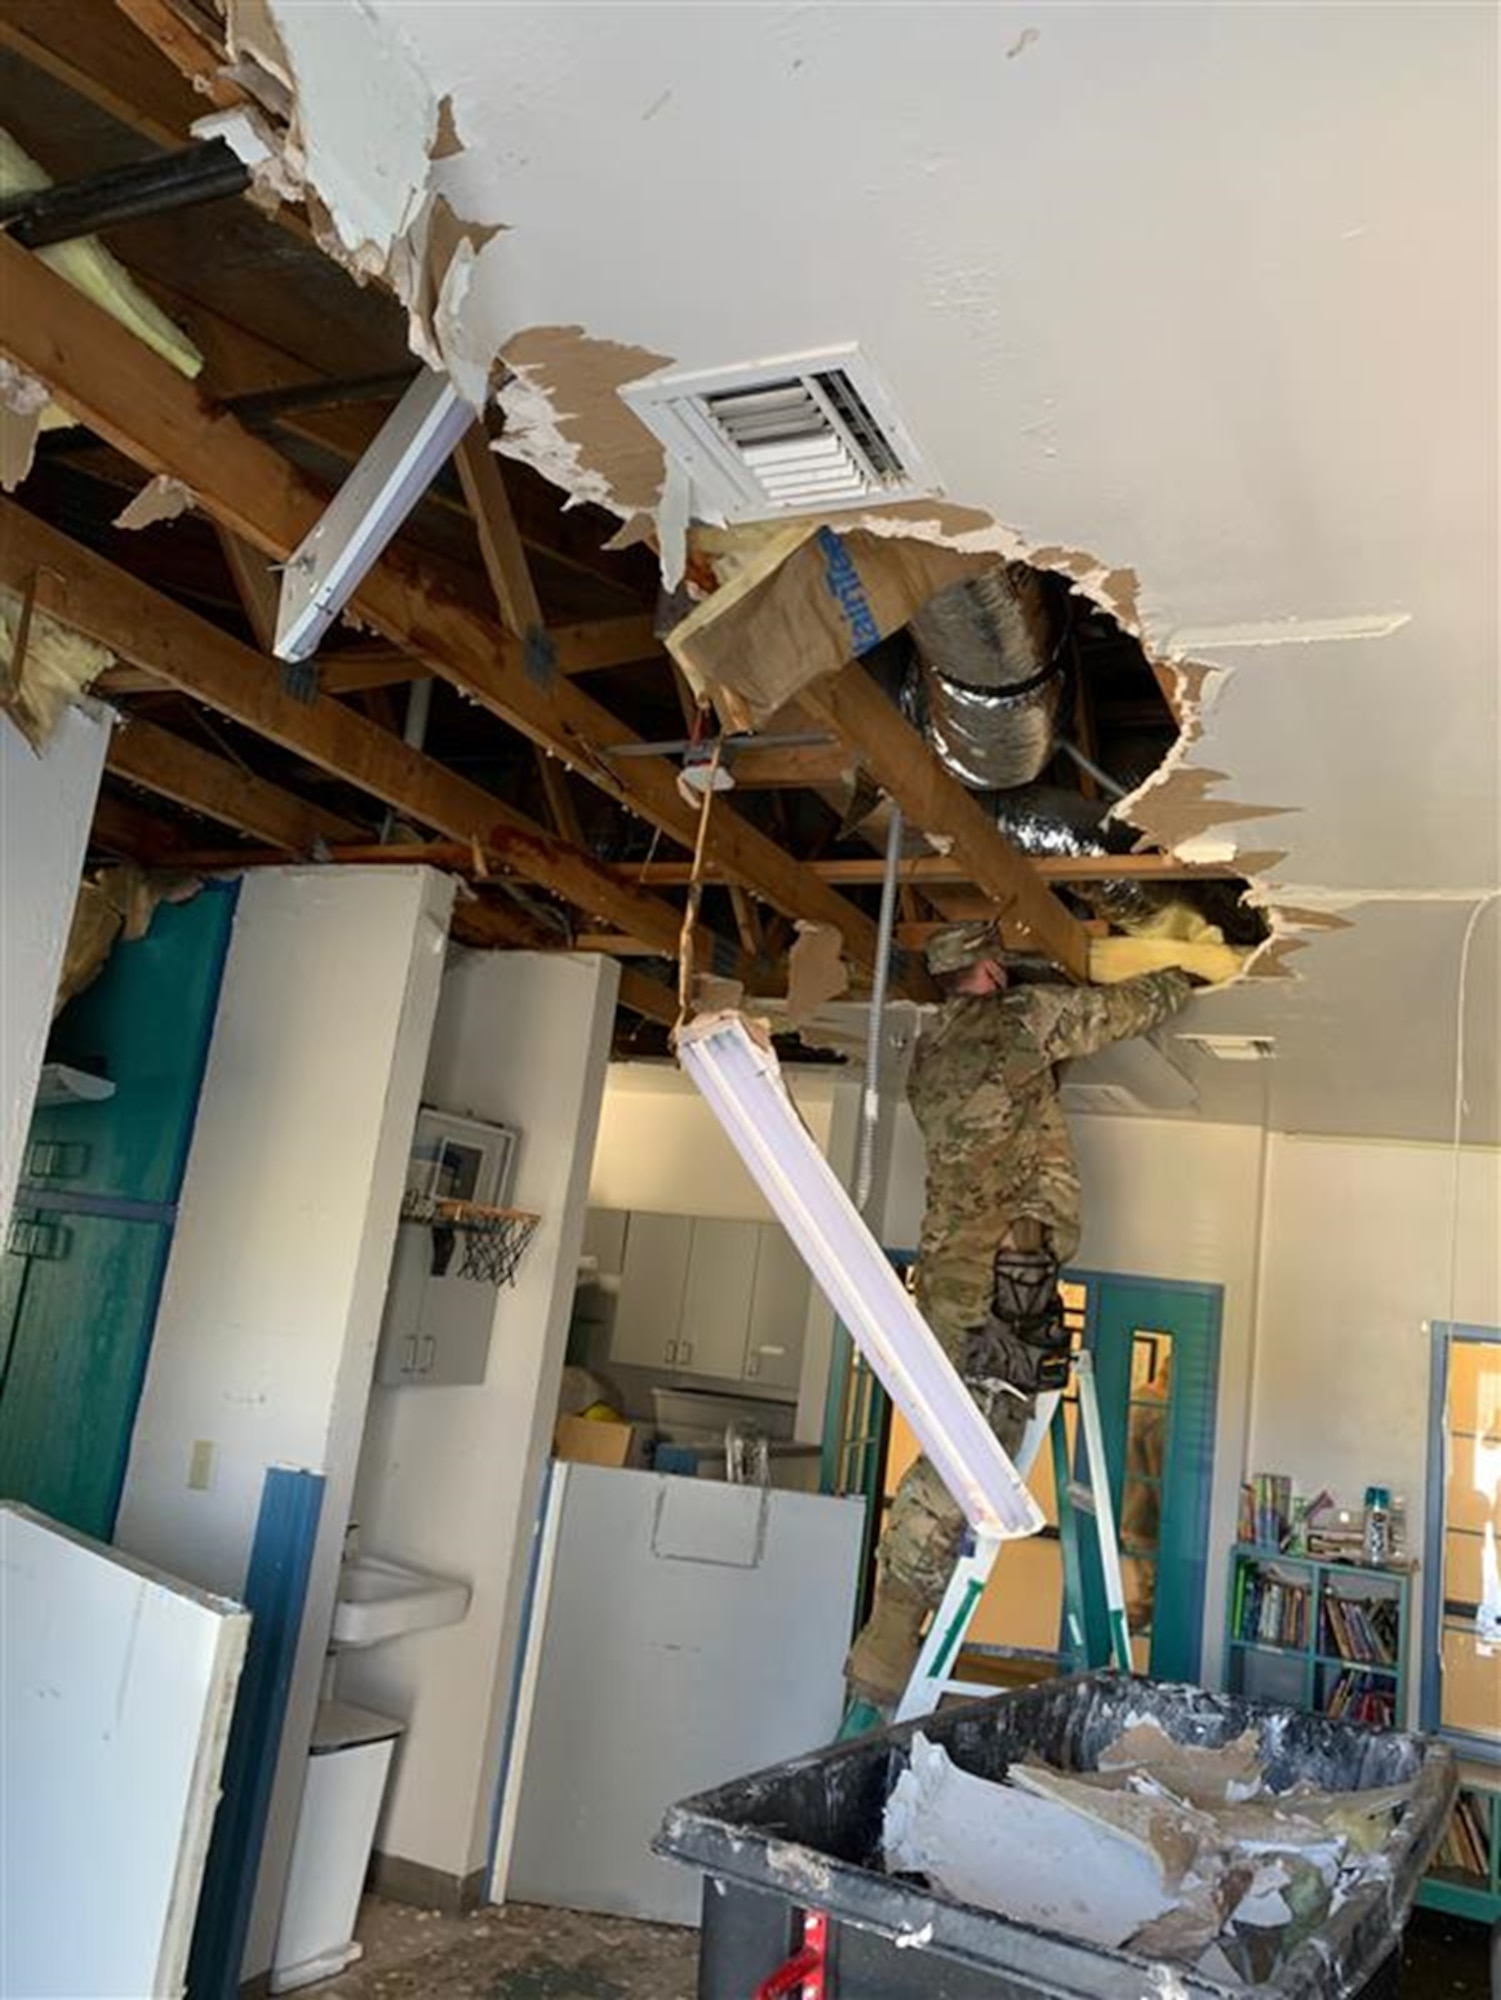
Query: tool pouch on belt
[1024, 1342]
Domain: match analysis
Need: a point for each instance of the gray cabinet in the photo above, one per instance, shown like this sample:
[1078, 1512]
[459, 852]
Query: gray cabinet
[704, 1297]
[436, 1330]
[779, 1308]
[717, 1298]
[652, 1281]
[604, 1240]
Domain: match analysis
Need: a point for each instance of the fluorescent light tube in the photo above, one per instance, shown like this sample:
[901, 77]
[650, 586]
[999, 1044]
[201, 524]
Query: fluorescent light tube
[742, 1084]
[328, 567]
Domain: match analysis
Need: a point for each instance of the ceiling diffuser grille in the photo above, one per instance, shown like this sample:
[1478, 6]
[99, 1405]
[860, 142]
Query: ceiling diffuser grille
[796, 436]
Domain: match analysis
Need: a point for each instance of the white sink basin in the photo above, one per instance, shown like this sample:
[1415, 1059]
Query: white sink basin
[379, 1599]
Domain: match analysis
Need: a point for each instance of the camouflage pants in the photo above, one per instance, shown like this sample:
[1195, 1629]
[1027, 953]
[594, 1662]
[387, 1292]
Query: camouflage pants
[920, 1543]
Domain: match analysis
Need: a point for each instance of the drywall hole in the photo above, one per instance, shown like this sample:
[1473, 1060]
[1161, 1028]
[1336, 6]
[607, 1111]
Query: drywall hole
[1050, 712]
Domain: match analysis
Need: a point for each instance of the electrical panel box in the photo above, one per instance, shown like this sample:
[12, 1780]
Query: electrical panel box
[437, 1323]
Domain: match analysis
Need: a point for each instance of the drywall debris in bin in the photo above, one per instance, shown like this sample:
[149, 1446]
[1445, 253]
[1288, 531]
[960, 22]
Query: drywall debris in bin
[1029, 1858]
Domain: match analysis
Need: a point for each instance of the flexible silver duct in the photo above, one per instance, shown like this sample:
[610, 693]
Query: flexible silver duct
[990, 685]
[1040, 819]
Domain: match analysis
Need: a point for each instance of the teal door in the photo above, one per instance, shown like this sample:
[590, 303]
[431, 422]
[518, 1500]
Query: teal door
[82, 1272]
[1156, 1347]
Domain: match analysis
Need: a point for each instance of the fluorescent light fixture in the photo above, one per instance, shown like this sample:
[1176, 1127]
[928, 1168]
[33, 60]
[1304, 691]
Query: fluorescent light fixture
[328, 567]
[741, 1081]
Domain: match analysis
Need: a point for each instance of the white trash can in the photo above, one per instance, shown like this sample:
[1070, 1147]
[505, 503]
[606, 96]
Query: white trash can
[346, 1780]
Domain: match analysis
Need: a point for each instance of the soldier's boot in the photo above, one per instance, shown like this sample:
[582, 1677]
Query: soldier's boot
[882, 1658]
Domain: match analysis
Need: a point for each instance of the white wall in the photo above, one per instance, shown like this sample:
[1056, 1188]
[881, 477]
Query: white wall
[450, 1479]
[1358, 1261]
[266, 1337]
[661, 1149]
[46, 808]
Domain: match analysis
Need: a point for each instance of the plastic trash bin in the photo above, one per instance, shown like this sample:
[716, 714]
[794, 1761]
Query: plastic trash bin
[805, 1837]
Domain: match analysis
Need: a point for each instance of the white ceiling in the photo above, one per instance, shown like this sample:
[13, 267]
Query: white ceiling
[1205, 291]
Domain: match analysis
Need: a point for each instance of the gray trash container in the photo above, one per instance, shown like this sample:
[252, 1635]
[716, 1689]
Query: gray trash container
[806, 1836]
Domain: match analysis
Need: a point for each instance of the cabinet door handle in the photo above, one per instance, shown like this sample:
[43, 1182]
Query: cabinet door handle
[671, 1350]
[409, 1354]
[425, 1358]
[753, 1367]
[685, 1354]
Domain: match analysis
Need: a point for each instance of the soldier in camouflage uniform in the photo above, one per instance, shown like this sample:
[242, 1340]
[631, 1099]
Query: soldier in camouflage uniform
[1002, 1215]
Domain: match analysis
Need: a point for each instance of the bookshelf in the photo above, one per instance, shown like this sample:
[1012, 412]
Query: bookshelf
[1325, 1636]
[1464, 1877]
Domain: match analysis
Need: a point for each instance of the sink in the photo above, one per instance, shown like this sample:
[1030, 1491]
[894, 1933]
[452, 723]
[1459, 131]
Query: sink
[380, 1599]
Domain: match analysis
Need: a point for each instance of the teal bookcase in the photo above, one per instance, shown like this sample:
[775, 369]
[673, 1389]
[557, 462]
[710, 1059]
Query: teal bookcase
[1310, 1645]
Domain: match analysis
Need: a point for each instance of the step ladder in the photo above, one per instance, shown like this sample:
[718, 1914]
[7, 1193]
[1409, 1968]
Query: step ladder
[931, 1677]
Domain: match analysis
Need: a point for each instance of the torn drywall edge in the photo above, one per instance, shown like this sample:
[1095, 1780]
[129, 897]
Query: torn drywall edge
[1282, 632]
[23, 401]
[563, 401]
[162, 498]
[365, 117]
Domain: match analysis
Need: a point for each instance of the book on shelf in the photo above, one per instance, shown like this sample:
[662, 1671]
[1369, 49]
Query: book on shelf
[1272, 1500]
[1357, 1697]
[1466, 1845]
[1361, 1629]
[1271, 1609]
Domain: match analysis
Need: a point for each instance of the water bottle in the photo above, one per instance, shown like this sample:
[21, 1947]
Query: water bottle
[1378, 1524]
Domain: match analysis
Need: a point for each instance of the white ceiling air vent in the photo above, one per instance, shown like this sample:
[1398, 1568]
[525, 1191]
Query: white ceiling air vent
[807, 434]
[1232, 1048]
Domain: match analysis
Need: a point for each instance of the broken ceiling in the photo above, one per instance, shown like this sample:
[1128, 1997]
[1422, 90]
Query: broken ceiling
[1218, 367]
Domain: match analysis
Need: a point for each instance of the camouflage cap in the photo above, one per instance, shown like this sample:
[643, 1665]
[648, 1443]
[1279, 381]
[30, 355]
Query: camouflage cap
[960, 945]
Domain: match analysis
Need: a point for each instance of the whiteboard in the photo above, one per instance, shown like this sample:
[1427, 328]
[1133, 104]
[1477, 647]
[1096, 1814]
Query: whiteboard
[117, 1686]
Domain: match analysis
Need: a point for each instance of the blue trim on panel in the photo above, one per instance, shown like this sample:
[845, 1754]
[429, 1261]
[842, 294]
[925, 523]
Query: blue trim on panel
[1430, 1679]
[518, 1667]
[281, 1560]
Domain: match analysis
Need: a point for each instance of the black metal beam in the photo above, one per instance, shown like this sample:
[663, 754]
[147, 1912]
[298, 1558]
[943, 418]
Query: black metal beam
[207, 172]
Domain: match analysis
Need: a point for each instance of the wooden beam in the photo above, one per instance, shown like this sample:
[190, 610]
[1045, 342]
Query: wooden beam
[647, 996]
[130, 833]
[257, 586]
[176, 769]
[903, 765]
[360, 668]
[189, 654]
[138, 403]
[96, 52]
[940, 868]
[560, 800]
[237, 361]
[747, 922]
[499, 542]
[786, 767]
[189, 52]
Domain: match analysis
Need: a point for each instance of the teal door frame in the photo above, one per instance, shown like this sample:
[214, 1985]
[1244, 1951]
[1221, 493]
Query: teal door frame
[1117, 1307]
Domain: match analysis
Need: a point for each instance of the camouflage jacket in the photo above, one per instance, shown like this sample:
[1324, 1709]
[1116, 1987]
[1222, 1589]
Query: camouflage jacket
[998, 1146]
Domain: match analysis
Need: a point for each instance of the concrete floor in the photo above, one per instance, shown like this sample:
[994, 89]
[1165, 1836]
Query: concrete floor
[529, 1954]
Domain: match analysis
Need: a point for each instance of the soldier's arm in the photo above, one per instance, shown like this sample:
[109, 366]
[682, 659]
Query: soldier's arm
[1077, 1020]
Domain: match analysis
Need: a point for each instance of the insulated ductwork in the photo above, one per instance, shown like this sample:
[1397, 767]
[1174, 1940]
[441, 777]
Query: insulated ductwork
[990, 680]
[1044, 820]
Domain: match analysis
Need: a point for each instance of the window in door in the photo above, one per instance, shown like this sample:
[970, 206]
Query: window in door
[1462, 1600]
[1148, 1416]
